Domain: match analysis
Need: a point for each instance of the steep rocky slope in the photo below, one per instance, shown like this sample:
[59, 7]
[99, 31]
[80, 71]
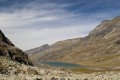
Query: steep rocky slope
[7, 49]
[100, 48]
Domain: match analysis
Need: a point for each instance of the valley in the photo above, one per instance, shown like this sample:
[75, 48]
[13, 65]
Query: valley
[94, 57]
[59, 39]
[99, 49]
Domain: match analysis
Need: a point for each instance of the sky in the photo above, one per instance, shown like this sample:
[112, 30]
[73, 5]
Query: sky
[32, 23]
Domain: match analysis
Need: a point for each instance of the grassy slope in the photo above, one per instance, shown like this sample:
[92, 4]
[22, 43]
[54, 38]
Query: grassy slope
[101, 51]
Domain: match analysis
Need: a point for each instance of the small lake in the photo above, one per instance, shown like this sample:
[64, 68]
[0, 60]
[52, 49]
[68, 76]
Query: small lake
[62, 64]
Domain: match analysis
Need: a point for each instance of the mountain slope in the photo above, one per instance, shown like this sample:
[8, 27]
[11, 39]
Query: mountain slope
[33, 52]
[57, 50]
[7, 49]
[38, 49]
[100, 48]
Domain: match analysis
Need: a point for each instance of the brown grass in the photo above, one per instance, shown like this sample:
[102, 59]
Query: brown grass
[88, 71]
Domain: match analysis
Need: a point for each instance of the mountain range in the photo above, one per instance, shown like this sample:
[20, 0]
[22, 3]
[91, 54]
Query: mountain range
[99, 49]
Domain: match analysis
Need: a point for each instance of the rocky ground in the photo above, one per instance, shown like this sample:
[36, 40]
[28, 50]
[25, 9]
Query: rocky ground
[11, 70]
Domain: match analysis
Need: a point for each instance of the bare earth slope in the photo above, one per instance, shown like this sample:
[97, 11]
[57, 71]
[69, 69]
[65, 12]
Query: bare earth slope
[100, 48]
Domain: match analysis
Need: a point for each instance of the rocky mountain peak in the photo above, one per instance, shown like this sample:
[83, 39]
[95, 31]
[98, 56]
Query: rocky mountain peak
[45, 46]
[106, 27]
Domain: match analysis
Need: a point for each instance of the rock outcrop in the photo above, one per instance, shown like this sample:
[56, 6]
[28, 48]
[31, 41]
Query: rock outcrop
[7, 49]
[4, 39]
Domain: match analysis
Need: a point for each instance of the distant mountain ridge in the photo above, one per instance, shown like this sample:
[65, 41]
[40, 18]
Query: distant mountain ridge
[100, 48]
[37, 50]
[33, 52]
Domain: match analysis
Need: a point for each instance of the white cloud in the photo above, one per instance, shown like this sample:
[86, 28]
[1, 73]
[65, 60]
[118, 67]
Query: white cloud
[31, 27]
[30, 38]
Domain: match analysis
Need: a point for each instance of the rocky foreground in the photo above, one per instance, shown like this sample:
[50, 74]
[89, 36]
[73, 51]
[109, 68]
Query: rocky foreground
[11, 70]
